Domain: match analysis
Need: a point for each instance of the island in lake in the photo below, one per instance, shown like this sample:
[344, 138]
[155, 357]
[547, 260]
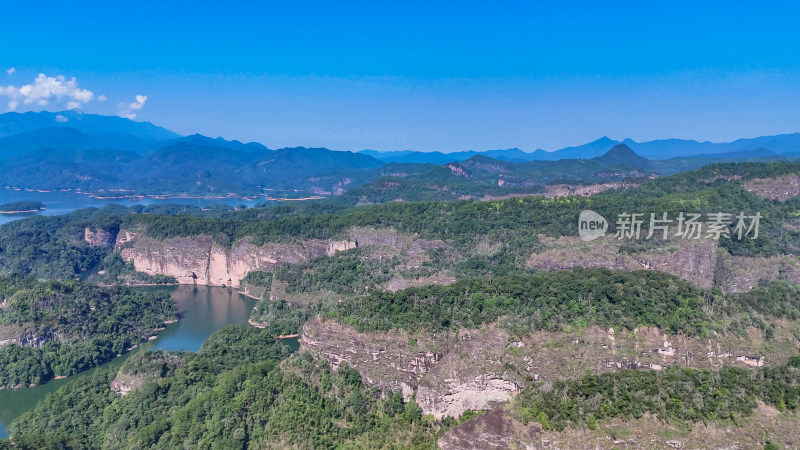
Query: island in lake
[22, 207]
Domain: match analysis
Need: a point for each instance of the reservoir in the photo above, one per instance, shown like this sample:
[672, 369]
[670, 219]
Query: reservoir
[66, 202]
[203, 309]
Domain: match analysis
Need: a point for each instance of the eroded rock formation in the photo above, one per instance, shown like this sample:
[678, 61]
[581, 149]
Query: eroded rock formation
[454, 371]
[700, 262]
[99, 237]
[199, 260]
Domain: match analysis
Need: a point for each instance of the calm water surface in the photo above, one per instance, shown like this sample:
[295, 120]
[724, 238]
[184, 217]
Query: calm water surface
[66, 202]
[204, 310]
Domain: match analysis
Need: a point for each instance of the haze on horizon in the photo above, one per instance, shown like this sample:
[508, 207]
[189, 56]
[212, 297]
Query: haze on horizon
[411, 75]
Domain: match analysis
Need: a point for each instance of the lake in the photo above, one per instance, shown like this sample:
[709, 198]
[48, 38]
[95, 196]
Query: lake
[65, 202]
[204, 310]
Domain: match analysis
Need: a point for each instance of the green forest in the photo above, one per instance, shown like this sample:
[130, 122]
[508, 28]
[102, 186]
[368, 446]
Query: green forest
[241, 389]
[676, 394]
[53, 247]
[72, 311]
[62, 328]
[569, 300]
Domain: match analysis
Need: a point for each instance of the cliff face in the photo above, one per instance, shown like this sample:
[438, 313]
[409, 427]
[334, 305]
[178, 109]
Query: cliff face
[700, 262]
[30, 338]
[198, 260]
[472, 375]
[146, 368]
[480, 369]
[450, 373]
[395, 361]
[99, 237]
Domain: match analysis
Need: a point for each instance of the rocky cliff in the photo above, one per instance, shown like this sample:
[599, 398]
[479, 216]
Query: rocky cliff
[700, 262]
[450, 373]
[479, 369]
[99, 237]
[199, 260]
[143, 368]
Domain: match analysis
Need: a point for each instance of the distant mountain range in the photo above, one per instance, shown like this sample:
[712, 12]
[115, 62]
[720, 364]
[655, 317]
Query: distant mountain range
[481, 176]
[783, 144]
[93, 153]
[15, 123]
[408, 156]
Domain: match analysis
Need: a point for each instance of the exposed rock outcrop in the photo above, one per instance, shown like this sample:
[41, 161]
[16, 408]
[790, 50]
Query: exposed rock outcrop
[99, 237]
[700, 262]
[398, 282]
[143, 368]
[469, 376]
[741, 273]
[199, 260]
[694, 261]
[491, 430]
[453, 371]
[780, 188]
[395, 360]
[31, 339]
[124, 237]
[123, 383]
[498, 429]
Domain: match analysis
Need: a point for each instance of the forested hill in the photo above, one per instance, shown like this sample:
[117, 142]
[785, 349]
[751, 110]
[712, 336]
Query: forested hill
[54, 247]
[112, 156]
[485, 313]
[52, 329]
[238, 391]
[713, 188]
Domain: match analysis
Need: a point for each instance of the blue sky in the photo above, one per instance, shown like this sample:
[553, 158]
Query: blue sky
[414, 75]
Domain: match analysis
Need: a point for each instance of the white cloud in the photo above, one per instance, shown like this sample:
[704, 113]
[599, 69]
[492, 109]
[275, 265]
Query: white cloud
[62, 119]
[11, 70]
[127, 109]
[45, 90]
[102, 98]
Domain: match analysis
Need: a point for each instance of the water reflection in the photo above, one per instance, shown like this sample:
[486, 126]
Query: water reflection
[204, 310]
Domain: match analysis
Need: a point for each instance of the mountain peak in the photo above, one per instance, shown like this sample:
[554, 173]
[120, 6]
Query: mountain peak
[623, 154]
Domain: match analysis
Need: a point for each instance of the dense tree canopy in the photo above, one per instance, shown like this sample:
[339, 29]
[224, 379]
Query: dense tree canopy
[235, 392]
[61, 328]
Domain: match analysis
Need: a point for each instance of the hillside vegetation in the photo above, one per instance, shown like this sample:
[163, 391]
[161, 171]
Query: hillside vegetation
[238, 391]
[61, 328]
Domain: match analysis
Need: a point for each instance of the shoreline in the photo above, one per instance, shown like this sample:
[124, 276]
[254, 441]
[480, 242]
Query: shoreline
[137, 197]
[126, 351]
[261, 326]
[106, 285]
[23, 212]
[248, 295]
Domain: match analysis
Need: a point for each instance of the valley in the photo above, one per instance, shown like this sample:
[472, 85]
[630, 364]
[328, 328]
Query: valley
[399, 225]
[425, 305]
